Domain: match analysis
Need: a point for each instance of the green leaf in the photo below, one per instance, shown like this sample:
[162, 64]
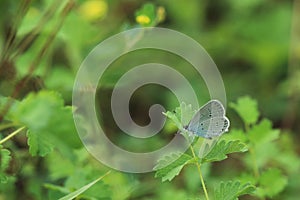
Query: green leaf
[39, 144]
[5, 158]
[171, 165]
[236, 134]
[271, 183]
[50, 124]
[57, 188]
[263, 132]
[247, 109]
[231, 190]
[222, 148]
[82, 189]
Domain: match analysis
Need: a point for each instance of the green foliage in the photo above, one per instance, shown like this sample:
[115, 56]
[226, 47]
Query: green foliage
[222, 148]
[47, 108]
[79, 191]
[46, 160]
[262, 133]
[247, 109]
[174, 163]
[231, 190]
[171, 165]
[181, 115]
[5, 158]
[261, 138]
[258, 137]
[148, 10]
[148, 15]
[271, 183]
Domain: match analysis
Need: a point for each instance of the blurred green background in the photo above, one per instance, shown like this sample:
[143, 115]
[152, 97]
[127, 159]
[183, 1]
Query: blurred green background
[254, 43]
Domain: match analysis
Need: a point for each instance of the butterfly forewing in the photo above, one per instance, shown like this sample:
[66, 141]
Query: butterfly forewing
[209, 121]
[210, 110]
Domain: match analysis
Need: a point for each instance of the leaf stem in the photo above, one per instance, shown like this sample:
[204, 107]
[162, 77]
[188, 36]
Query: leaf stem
[200, 173]
[11, 135]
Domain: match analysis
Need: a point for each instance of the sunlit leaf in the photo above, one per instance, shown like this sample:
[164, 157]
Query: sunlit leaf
[247, 109]
[222, 148]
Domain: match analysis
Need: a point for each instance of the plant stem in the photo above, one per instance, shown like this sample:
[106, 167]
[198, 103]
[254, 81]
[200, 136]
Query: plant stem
[200, 173]
[12, 135]
[253, 156]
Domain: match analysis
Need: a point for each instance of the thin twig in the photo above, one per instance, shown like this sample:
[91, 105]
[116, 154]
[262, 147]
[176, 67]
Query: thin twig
[199, 172]
[11, 135]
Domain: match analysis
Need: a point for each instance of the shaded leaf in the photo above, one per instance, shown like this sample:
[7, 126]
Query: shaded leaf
[82, 189]
[5, 158]
[171, 165]
[231, 190]
[271, 183]
[50, 124]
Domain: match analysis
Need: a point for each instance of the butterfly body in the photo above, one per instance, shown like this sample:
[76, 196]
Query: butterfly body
[209, 121]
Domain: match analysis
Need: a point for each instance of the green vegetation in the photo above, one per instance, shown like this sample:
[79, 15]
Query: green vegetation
[255, 45]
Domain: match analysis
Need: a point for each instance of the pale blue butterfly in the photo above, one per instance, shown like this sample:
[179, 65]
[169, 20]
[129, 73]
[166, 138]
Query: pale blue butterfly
[209, 121]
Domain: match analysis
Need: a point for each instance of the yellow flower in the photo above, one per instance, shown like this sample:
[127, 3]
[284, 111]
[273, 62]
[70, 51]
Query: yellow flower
[93, 9]
[143, 19]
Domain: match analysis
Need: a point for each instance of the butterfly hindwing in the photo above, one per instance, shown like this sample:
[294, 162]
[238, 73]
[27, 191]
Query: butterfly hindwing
[209, 128]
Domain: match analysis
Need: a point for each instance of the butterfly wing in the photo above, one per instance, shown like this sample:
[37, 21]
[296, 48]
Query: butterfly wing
[209, 121]
[209, 128]
[211, 109]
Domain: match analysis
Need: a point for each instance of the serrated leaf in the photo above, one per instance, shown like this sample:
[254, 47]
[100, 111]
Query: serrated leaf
[247, 109]
[271, 183]
[231, 190]
[181, 116]
[263, 132]
[49, 123]
[172, 116]
[5, 158]
[39, 144]
[171, 165]
[222, 148]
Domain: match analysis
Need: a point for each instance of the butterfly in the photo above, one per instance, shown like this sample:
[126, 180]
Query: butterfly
[209, 121]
